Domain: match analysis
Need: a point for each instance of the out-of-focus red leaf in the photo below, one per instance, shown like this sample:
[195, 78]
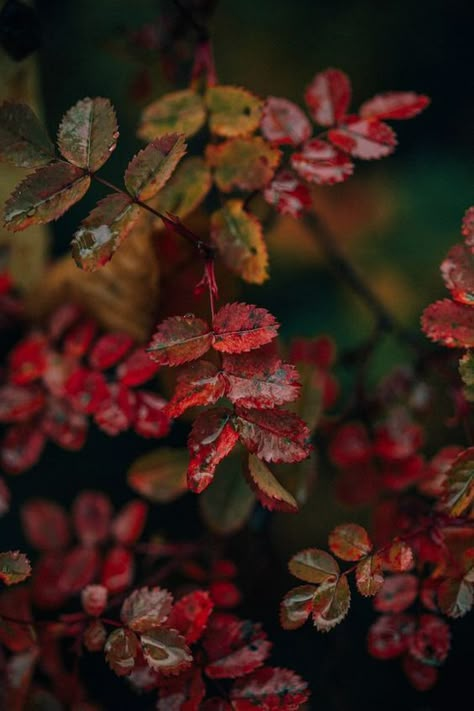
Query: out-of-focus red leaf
[128, 525]
[269, 689]
[422, 676]
[233, 647]
[364, 138]
[15, 603]
[80, 568]
[184, 693]
[151, 416]
[397, 593]
[431, 642]
[116, 412]
[350, 446]
[160, 475]
[27, 361]
[21, 448]
[109, 350]
[63, 425]
[118, 570]
[394, 105]
[283, 122]
[390, 635]
[94, 599]
[20, 402]
[319, 162]
[137, 368]
[467, 227]
[288, 194]
[91, 514]
[79, 338]
[45, 525]
[46, 591]
[85, 390]
[328, 96]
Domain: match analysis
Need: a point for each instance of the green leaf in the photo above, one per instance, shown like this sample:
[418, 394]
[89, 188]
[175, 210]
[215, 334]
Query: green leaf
[296, 606]
[314, 566]
[238, 236]
[45, 195]
[369, 577]
[104, 230]
[152, 167]
[160, 475]
[349, 541]
[23, 140]
[268, 489]
[14, 567]
[180, 111]
[233, 111]
[243, 163]
[460, 483]
[88, 133]
[228, 502]
[331, 603]
[185, 190]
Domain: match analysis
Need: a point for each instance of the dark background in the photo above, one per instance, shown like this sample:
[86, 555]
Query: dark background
[416, 201]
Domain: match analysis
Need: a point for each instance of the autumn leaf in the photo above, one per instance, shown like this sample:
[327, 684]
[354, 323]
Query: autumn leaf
[233, 647]
[287, 194]
[238, 236]
[179, 339]
[313, 566]
[180, 111]
[389, 635]
[14, 567]
[269, 688]
[397, 593]
[102, 232]
[457, 270]
[109, 349]
[449, 323]
[271, 494]
[273, 435]
[117, 570]
[128, 524]
[152, 167]
[284, 123]
[160, 475]
[146, 608]
[45, 195]
[137, 368]
[467, 227]
[190, 615]
[369, 577]
[349, 541]
[185, 692]
[185, 190]
[19, 402]
[328, 96]
[233, 111]
[212, 438]
[23, 140]
[242, 327]
[242, 163]
[455, 597]
[45, 525]
[92, 515]
[320, 163]
[165, 651]
[227, 503]
[364, 138]
[394, 105]
[121, 648]
[199, 383]
[460, 483]
[88, 133]
[331, 603]
[296, 606]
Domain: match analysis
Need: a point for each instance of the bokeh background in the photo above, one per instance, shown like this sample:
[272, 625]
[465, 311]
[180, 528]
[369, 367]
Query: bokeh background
[396, 219]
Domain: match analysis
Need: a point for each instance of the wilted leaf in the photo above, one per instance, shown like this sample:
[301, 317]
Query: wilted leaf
[160, 475]
[364, 138]
[152, 167]
[296, 606]
[241, 327]
[273, 435]
[233, 647]
[449, 323]
[179, 339]
[460, 483]
[14, 567]
[146, 608]
[185, 190]
[121, 649]
[239, 238]
[243, 163]
[328, 96]
[331, 603]
[212, 438]
[283, 122]
[271, 494]
[321, 163]
[103, 231]
[88, 133]
[233, 111]
[228, 502]
[180, 111]
[23, 140]
[349, 541]
[369, 577]
[394, 105]
[269, 689]
[314, 566]
[45, 195]
[165, 651]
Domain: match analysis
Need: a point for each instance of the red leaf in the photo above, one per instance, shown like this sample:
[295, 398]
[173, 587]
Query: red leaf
[397, 593]
[190, 615]
[273, 435]
[467, 228]
[331, 603]
[296, 606]
[269, 689]
[15, 603]
[449, 323]
[369, 577]
[79, 338]
[364, 138]
[212, 438]
[422, 676]
[199, 383]
[64, 426]
[321, 163]
[260, 379]
[390, 635]
[328, 96]
[151, 417]
[45, 525]
[182, 694]
[94, 599]
[242, 327]
[62, 319]
[109, 349]
[350, 446]
[320, 351]
[137, 368]
[121, 649]
[233, 647]
[179, 339]
[129, 523]
[457, 270]
[80, 568]
[27, 361]
[349, 541]
[118, 570]
[86, 390]
[287, 194]
[431, 642]
[91, 514]
[165, 651]
[146, 608]
[283, 122]
[225, 594]
[14, 567]
[394, 105]
[46, 591]
[117, 411]
[19, 403]
[21, 448]
[4, 497]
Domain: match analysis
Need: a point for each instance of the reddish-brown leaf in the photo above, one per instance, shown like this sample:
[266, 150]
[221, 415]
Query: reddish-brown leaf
[233, 647]
[21, 448]
[160, 475]
[179, 339]
[151, 417]
[321, 163]
[86, 390]
[152, 167]
[389, 635]
[45, 525]
[242, 327]
[165, 651]
[449, 323]
[369, 577]
[328, 96]
[288, 194]
[88, 133]
[182, 694]
[349, 541]
[467, 227]
[394, 105]
[198, 384]
[23, 140]
[14, 567]
[457, 270]
[269, 689]
[128, 525]
[80, 566]
[283, 122]
[397, 593]
[146, 608]
[331, 603]
[117, 411]
[190, 614]
[27, 361]
[118, 570]
[431, 642]
[314, 566]
[273, 435]
[271, 494]
[364, 138]
[212, 438]
[91, 515]
[109, 350]
[422, 676]
[121, 649]
[64, 426]
[296, 606]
